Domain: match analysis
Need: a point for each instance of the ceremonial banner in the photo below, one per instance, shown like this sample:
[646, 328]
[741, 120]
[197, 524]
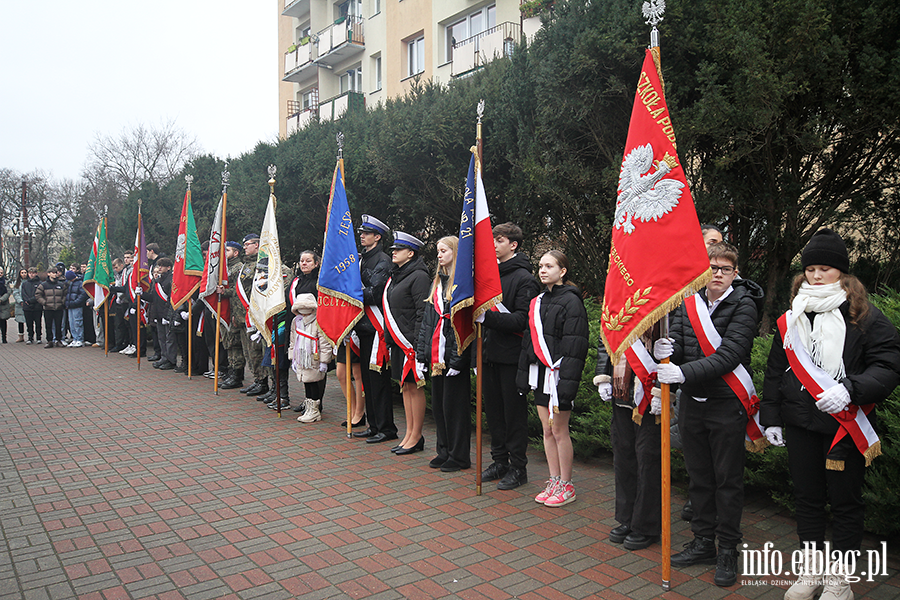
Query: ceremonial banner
[188, 270]
[267, 293]
[139, 282]
[476, 282]
[340, 284]
[99, 267]
[657, 256]
[214, 269]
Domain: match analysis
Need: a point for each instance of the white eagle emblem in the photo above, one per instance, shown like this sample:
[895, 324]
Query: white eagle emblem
[180, 247]
[641, 194]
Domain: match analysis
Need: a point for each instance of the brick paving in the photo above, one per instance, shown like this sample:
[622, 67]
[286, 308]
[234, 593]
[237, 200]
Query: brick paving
[120, 484]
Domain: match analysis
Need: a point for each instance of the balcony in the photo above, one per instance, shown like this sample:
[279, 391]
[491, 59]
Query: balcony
[299, 65]
[340, 41]
[478, 50]
[296, 8]
[298, 116]
[335, 108]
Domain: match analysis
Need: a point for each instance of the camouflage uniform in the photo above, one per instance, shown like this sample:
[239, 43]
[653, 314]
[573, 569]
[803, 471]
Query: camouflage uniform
[232, 338]
[253, 351]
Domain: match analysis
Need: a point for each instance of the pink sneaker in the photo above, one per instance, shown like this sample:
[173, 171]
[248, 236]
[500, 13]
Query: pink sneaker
[548, 491]
[562, 495]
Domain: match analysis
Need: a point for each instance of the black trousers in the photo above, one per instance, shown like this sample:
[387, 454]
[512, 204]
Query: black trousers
[451, 401]
[636, 462]
[33, 321]
[53, 324]
[377, 388]
[814, 485]
[314, 390]
[507, 414]
[712, 434]
[87, 320]
[123, 332]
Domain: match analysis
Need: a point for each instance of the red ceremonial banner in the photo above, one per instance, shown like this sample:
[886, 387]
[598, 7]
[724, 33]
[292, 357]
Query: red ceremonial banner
[657, 256]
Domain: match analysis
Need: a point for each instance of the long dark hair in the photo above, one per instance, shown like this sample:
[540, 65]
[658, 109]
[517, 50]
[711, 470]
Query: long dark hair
[857, 295]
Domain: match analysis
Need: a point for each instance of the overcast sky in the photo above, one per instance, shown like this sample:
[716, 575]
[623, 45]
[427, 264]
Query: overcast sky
[73, 69]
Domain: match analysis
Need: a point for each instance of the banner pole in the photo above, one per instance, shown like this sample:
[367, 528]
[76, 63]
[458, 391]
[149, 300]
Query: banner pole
[277, 359]
[665, 464]
[225, 177]
[106, 325]
[349, 390]
[218, 343]
[137, 314]
[479, 373]
[190, 345]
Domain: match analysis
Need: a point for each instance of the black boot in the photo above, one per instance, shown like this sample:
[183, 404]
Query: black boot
[267, 397]
[726, 567]
[259, 387]
[699, 551]
[687, 511]
[232, 382]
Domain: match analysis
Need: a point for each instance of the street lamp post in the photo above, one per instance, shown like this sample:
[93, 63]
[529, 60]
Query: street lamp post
[26, 234]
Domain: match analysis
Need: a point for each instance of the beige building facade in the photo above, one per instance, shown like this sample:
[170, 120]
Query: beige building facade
[339, 55]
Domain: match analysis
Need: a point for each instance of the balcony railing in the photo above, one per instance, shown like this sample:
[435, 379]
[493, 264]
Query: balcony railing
[340, 40]
[335, 108]
[484, 47]
[300, 57]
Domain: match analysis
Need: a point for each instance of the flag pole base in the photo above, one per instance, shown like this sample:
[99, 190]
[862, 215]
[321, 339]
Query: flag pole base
[666, 585]
[477, 490]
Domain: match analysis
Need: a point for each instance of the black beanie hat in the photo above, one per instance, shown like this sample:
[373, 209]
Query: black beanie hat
[826, 248]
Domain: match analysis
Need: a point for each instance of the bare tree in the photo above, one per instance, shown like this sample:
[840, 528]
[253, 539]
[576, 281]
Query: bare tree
[50, 208]
[138, 154]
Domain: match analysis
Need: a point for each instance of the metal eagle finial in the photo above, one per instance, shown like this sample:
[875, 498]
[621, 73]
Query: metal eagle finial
[225, 176]
[340, 143]
[272, 171]
[653, 11]
[480, 109]
[189, 179]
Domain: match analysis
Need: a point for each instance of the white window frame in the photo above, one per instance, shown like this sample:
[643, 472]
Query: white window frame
[484, 12]
[415, 56]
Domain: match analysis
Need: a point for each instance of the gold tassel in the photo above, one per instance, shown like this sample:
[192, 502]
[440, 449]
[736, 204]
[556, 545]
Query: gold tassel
[636, 416]
[834, 465]
[873, 452]
[658, 419]
[756, 446]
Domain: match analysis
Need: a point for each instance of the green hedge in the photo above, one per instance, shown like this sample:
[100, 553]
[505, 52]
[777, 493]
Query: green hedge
[769, 470]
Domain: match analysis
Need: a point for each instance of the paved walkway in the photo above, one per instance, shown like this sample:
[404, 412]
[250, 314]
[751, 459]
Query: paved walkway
[124, 484]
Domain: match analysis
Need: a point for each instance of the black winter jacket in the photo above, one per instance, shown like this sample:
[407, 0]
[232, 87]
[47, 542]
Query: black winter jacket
[29, 286]
[374, 269]
[51, 294]
[736, 319]
[304, 283]
[159, 306]
[503, 332]
[566, 330]
[452, 360]
[409, 288]
[871, 361]
[76, 295]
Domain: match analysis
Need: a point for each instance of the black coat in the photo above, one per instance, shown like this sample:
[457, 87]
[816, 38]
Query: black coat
[452, 360]
[304, 283]
[409, 288]
[29, 286]
[374, 269]
[566, 331]
[160, 308]
[503, 332]
[871, 361]
[736, 319]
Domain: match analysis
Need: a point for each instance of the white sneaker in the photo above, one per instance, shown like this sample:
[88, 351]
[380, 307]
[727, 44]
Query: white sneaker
[128, 350]
[807, 585]
[311, 414]
[836, 588]
[76, 345]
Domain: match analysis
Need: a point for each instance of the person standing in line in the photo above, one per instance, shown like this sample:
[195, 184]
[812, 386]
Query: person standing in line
[31, 307]
[6, 305]
[505, 406]
[404, 306]
[551, 362]
[310, 353]
[833, 340]
[18, 311]
[450, 371]
[51, 295]
[306, 282]
[76, 296]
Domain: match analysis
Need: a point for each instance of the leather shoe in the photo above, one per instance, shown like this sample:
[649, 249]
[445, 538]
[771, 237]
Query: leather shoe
[395, 448]
[514, 478]
[258, 388]
[380, 437]
[699, 551]
[494, 471]
[726, 567]
[365, 434]
[687, 511]
[636, 541]
[231, 384]
[618, 534]
[420, 445]
[166, 366]
[451, 466]
[437, 462]
[154, 358]
[246, 388]
[267, 397]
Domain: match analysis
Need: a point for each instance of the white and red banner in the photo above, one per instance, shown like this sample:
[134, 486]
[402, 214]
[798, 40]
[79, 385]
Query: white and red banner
[214, 271]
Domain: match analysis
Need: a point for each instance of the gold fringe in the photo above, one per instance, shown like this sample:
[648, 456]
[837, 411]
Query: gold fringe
[655, 315]
[636, 416]
[834, 465]
[757, 445]
[658, 419]
[461, 345]
[873, 452]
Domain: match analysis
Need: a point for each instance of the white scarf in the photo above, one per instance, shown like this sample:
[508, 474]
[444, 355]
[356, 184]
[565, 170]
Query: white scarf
[824, 339]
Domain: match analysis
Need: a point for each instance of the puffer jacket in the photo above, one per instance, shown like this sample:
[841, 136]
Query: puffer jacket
[51, 294]
[76, 295]
[566, 331]
[736, 319]
[374, 269]
[19, 310]
[406, 295]
[322, 348]
[871, 361]
[503, 331]
[452, 360]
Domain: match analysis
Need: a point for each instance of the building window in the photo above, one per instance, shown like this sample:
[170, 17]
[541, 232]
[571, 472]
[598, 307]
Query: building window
[310, 99]
[469, 25]
[416, 56]
[376, 7]
[351, 80]
[377, 70]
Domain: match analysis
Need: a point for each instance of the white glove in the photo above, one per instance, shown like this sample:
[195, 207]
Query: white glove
[480, 318]
[663, 348]
[184, 315]
[656, 402]
[176, 323]
[164, 322]
[256, 336]
[605, 390]
[669, 373]
[775, 435]
[138, 290]
[323, 367]
[833, 400]
[475, 369]
[420, 367]
[452, 372]
[132, 311]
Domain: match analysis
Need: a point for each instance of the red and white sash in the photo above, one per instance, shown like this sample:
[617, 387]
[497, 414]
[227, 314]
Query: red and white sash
[161, 292]
[644, 368]
[304, 351]
[853, 420]
[438, 339]
[380, 355]
[245, 302]
[409, 360]
[542, 351]
[738, 380]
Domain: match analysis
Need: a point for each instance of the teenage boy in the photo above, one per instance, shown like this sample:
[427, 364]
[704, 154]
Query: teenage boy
[32, 308]
[51, 296]
[505, 406]
[161, 314]
[712, 416]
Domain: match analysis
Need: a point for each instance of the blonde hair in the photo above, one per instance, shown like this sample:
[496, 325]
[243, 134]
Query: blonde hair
[451, 242]
[857, 295]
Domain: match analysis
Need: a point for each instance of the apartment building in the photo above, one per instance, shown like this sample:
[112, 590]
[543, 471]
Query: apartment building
[339, 55]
